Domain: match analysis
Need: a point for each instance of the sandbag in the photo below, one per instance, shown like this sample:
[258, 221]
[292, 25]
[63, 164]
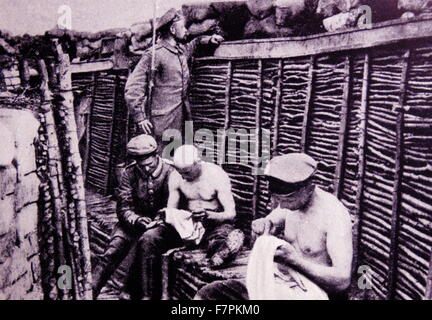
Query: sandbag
[329, 8]
[265, 28]
[82, 51]
[344, 20]
[198, 12]
[141, 30]
[140, 45]
[292, 12]
[200, 28]
[415, 6]
[233, 17]
[261, 9]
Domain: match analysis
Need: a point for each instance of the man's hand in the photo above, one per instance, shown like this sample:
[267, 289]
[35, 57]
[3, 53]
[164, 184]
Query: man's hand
[145, 127]
[216, 39]
[199, 216]
[287, 254]
[261, 226]
[142, 223]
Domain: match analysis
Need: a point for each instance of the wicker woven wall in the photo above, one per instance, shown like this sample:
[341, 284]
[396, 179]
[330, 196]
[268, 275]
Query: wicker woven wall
[108, 127]
[343, 109]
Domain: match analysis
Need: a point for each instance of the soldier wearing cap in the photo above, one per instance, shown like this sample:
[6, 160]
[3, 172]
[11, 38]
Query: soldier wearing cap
[315, 224]
[143, 191]
[168, 106]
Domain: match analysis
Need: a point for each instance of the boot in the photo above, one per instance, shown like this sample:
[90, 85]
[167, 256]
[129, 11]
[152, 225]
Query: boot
[100, 277]
[229, 250]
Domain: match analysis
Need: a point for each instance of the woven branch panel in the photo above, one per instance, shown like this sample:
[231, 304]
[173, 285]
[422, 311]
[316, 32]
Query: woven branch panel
[344, 109]
[108, 127]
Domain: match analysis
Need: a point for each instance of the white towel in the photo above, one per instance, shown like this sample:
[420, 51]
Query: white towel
[182, 221]
[264, 281]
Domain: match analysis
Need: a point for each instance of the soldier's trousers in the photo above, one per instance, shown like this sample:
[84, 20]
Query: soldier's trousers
[149, 247]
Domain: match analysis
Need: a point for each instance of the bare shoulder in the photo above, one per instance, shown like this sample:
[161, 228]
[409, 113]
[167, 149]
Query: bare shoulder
[174, 178]
[336, 213]
[217, 173]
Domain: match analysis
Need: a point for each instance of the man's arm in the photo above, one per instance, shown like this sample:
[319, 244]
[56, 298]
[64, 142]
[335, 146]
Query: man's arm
[336, 277]
[191, 47]
[136, 88]
[225, 197]
[174, 191]
[277, 218]
[126, 209]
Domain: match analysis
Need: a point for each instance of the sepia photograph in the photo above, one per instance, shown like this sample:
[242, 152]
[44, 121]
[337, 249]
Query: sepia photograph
[191, 150]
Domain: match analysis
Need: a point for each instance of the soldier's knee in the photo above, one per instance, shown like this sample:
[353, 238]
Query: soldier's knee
[116, 248]
[149, 240]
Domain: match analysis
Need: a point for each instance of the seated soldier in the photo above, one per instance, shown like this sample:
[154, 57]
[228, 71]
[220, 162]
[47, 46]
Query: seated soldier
[206, 187]
[143, 191]
[316, 227]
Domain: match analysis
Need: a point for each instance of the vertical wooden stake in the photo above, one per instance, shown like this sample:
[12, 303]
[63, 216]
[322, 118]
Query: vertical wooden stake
[120, 60]
[111, 169]
[308, 105]
[222, 147]
[258, 136]
[24, 72]
[278, 103]
[55, 171]
[397, 193]
[362, 146]
[78, 185]
[428, 295]
[88, 128]
[344, 118]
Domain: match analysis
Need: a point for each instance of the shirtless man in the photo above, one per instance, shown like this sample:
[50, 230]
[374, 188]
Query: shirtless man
[315, 225]
[207, 190]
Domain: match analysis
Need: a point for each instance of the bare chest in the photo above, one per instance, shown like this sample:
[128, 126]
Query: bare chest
[307, 234]
[199, 190]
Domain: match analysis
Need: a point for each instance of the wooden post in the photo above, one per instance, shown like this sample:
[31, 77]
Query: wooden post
[24, 71]
[3, 86]
[111, 169]
[222, 151]
[308, 105]
[397, 193]
[258, 136]
[77, 186]
[428, 295]
[88, 128]
[277, 111]
[120, 60]
[362, 147]
[344, 118]
[55, 174]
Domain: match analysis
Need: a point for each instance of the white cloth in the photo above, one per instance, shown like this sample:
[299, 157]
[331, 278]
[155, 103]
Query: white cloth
[182, 221]
[264, 281]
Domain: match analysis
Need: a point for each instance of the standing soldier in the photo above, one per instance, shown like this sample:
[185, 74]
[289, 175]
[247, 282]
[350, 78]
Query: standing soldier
[166, 105]
[143, 191]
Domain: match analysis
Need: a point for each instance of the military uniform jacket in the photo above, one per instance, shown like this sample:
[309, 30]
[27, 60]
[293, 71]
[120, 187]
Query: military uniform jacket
[142, 194]
[171, 80]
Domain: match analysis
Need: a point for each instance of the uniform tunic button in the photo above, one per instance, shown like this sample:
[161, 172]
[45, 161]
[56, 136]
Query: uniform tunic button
[151, 191]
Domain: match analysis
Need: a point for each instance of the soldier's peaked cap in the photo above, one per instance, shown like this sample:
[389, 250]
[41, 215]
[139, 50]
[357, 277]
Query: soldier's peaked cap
[292, 167]
[170, 16]
[141, 145]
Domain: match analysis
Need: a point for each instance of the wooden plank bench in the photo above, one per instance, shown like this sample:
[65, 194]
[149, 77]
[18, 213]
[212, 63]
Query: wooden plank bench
[184, 272]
